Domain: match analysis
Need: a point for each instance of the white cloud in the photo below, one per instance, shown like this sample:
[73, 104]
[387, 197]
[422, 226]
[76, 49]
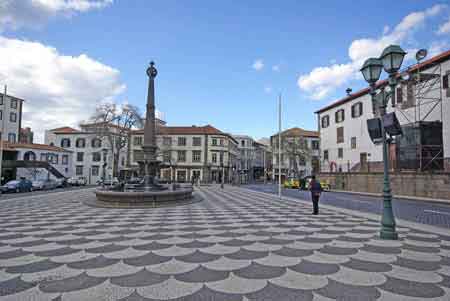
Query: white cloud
[444, 28]
[58, 90]
[276, 68]
[268, 89]
[437, 47]
[322, 81]
[15, 14]
[258, 65]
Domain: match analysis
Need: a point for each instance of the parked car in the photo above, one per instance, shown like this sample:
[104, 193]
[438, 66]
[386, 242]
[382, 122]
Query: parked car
[62, 182]
[21, 185]
[109, 182]
[77, 181]
[291, 183]
[304, 183]
[44, 184]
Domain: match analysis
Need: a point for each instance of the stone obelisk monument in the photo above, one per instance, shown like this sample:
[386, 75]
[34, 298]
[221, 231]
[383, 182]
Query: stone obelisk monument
[149, 165]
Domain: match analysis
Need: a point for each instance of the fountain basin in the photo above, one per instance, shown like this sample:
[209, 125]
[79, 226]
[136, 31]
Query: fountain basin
[144, 199]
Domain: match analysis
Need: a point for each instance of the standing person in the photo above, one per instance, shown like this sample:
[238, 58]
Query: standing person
[316, 190]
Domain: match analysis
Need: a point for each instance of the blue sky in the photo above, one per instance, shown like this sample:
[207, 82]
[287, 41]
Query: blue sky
[206, 52]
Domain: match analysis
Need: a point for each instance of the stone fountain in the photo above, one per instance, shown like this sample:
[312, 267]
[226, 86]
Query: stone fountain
[149, 193]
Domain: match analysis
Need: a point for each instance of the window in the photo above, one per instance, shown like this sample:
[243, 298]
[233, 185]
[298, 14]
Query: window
[399, 98]
[13, 103]
[167, 141]
[1, 99]
[357, 110]
[1, 114]
[54, 159]
[12, 137]
[196, 156]
[137, 140]
[315, 144]
[353, 142]
[181, 141]
[214, 157]
[340, 152]
[96, 157]
[214, 141]
[339, 116]
[44, 157]
[196, 141]
[29, 156]
[79, 170]
[325, 121]
[95, 170]
[65, 142]
[13, 117]
[123, 161]
[242, 143]
[167, 156]
[221, 142]
[325, 155]
[65, 160]
[96, 143]
[80, 157]
[181, 155]
[221, 158]
[340, 134]
[81, 143]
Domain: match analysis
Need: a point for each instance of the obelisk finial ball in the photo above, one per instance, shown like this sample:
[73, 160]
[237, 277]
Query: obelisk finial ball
[151, 71]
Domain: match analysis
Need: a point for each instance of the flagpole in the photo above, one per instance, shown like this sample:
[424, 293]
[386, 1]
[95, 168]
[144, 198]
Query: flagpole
[279, 146]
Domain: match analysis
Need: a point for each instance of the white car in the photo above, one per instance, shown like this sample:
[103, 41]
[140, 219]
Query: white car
[77, 181]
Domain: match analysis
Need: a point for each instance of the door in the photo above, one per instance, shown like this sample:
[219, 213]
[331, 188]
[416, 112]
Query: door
[363, 161]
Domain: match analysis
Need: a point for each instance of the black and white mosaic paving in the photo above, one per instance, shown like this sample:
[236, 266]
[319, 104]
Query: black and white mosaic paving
[234, 245]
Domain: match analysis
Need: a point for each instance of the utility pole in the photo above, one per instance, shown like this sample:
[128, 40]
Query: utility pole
[2, 134]
[279, 146]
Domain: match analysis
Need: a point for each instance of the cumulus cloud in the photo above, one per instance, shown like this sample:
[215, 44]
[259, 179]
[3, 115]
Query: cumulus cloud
[58, 89]
[322, 81]
[15, 14]
[258, 65]
[444, 28]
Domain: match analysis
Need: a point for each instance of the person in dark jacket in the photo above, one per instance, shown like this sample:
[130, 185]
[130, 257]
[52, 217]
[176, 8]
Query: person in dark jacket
[316, 190]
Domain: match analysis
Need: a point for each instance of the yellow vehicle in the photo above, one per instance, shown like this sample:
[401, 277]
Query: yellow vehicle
[325, 185]
[291, 183]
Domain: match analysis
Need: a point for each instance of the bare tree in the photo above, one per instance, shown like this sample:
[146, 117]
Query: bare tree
[297, 152]
[165, 152]
[114, 122]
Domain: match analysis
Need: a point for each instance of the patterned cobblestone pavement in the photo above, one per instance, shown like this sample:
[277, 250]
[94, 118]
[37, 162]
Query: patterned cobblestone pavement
[234, 245]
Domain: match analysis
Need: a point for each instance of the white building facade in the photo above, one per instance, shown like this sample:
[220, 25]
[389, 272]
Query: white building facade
[423, 99]
[306, 142]
[192, 153]
[88, 159]
[59, 158]
[10, 117]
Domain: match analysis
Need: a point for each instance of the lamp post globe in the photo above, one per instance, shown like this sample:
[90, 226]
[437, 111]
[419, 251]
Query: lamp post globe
[371, 70]
[392, 58]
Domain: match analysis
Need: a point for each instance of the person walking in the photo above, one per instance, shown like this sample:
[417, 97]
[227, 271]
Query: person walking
[316, 190]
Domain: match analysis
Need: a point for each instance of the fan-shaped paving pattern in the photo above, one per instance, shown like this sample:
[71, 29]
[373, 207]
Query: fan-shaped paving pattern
[234, 245]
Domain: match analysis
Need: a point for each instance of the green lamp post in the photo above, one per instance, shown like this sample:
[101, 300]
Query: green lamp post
[391, 59]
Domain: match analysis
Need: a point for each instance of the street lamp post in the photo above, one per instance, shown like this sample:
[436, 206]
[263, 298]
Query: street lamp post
[223, 175]
[391, 59]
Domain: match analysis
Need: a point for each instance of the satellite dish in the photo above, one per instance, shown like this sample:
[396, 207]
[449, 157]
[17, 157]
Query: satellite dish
[421, 54]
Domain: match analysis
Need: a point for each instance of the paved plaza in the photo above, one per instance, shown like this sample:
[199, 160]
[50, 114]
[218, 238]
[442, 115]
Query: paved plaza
[236, 244]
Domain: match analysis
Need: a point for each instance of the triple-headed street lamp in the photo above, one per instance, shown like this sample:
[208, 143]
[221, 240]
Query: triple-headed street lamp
[390, 60]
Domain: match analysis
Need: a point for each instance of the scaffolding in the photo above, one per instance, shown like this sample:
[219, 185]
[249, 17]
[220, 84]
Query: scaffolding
[420, 148]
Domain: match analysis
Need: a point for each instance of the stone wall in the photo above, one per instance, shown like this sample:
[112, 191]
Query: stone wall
[430, 185]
